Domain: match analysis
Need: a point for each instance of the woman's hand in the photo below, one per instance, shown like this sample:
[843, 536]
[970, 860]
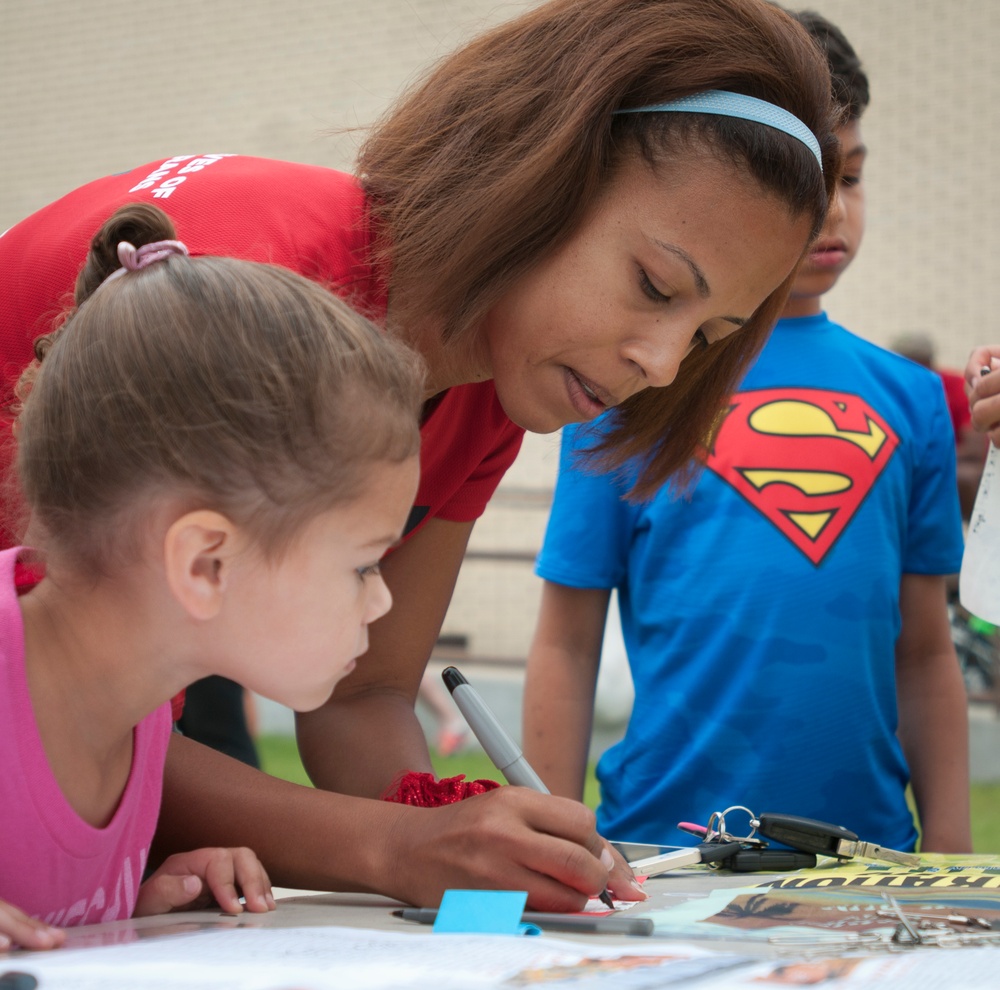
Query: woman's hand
[982, 384]
[16, 928]
[621, 880]
[511, 838]
[196, 879]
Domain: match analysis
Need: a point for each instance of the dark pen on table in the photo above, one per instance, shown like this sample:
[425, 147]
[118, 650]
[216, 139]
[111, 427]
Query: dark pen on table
[587, 923]
[497, 742]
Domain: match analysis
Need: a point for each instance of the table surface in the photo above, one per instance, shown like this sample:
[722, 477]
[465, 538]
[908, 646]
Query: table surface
[305, 909]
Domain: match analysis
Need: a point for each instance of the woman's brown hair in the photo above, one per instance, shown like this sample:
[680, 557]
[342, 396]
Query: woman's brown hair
[493, 161]
[227, 384]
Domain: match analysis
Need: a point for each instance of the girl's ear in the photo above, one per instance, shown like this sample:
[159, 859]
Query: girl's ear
[198, 550]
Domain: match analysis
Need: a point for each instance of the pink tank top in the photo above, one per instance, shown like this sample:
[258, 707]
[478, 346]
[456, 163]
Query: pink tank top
[54, 865]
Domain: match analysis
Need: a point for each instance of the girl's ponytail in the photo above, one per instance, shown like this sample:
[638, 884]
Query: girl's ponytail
[137, 223]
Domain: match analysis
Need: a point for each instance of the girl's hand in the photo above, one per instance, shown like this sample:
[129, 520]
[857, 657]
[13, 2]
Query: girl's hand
[983, 387]
[196, 879]
[16, 928]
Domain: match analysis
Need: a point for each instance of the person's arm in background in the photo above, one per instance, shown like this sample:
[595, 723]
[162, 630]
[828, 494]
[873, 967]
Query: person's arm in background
[970, 446]
[933, 715]
[971, 451]
[583, 555]
[932, 702]
[508, 839]
[368, 733]
[559, 684]
[984, 390]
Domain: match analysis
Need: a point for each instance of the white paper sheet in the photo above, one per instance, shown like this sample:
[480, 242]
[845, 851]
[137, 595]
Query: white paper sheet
[338, 958]
[979, 582]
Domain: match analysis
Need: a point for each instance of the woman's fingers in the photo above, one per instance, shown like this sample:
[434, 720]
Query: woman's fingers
[507, 839]
[621, 880]
[982, 383]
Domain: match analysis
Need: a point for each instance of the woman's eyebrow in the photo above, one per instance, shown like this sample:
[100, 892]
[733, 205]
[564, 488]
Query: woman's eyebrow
[701, 283]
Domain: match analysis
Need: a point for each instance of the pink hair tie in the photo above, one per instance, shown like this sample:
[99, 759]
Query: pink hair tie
[134, 258]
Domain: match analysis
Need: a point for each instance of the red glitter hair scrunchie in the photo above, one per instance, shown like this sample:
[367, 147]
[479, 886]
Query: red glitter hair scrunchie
[424, 790]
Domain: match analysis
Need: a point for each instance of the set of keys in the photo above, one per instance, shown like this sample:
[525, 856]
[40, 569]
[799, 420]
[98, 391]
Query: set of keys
[806, 838]
[822, 839]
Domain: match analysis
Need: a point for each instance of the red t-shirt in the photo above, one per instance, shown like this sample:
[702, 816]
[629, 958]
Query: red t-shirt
[958, 401]
[310, 219]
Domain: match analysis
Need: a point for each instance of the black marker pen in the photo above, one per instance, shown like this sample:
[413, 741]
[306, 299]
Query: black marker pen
[497, 741]
[596, 924]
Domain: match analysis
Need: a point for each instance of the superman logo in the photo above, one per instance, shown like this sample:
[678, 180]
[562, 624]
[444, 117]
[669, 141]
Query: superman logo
[805, 458]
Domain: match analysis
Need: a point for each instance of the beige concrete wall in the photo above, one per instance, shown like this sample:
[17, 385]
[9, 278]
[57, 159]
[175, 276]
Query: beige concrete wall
[91, 88]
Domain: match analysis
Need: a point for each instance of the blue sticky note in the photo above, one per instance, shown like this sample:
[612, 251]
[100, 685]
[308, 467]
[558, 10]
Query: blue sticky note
[489, 912]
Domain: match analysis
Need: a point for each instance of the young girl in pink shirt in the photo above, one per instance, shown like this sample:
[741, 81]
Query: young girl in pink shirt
[213, 455]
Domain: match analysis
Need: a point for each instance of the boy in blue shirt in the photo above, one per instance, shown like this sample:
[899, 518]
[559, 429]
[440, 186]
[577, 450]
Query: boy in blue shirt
[785, 619]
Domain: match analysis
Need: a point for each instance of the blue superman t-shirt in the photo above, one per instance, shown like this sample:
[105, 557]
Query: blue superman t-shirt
[760, 612]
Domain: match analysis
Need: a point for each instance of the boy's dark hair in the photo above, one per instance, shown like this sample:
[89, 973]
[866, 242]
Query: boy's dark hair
[849, 80]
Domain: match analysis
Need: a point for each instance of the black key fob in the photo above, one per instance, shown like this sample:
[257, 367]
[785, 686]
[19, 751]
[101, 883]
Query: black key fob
[805, 834]
[767, 861]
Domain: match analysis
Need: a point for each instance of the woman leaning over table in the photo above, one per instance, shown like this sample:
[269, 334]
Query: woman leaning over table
[550, 253]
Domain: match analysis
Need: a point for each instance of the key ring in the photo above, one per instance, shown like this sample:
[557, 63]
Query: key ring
[719, 817]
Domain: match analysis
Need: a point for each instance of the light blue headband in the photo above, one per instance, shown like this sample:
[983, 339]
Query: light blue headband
[726, 104]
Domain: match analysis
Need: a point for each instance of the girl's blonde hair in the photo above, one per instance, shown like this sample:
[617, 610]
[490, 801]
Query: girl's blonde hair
[237, 386]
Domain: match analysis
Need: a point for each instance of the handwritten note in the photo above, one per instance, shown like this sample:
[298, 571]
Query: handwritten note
[979, 582]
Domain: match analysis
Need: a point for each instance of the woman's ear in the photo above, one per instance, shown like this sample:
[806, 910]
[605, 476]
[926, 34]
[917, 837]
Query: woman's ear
[198, 550]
